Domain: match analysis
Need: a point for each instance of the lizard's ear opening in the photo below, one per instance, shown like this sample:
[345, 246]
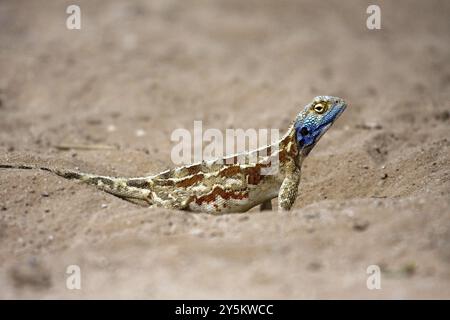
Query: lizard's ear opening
[302, 136]
[305, 137]
[304, 131]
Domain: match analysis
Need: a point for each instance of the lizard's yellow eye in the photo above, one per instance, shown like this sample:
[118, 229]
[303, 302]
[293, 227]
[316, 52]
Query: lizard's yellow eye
[320, 108]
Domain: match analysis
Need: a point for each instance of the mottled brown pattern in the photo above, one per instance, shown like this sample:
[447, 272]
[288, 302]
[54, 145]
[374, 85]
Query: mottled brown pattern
[138, 183]
[253, 174]
[194, 169]
[190, 181]
[285, 154]
[164, 182]
[230, 171]
[226, 195]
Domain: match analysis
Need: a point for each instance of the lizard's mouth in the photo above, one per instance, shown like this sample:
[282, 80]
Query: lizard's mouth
[325, 126]
[322, 129]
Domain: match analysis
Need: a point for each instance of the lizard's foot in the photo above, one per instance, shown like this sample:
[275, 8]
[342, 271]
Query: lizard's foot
[266, 206]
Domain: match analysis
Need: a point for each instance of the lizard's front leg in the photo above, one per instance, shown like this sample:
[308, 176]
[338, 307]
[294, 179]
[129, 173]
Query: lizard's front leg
[288, 190]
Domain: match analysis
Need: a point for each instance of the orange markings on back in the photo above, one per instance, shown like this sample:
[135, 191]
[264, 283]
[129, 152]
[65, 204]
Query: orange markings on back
[218, 191]
[190, 181]
[229, 171]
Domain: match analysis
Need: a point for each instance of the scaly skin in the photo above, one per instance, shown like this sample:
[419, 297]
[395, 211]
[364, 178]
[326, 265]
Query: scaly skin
[231, 184]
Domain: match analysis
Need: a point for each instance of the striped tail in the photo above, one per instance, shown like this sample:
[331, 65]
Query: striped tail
[135, 190]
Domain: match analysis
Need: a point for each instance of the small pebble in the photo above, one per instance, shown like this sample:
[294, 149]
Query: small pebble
[44, 194]
[140, 133]
[111, 128]
[384, 176]
[104, 206]
[360, 225]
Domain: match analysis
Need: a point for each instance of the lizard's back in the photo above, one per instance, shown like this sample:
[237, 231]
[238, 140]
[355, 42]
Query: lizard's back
[232, 184]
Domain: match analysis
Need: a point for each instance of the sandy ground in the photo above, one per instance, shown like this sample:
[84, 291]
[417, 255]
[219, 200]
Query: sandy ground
[375, 190]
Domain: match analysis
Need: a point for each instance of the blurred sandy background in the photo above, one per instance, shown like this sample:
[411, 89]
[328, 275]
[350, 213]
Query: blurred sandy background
[374, 191]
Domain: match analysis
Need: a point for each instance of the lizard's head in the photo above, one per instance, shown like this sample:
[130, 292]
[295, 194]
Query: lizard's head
[315, 120]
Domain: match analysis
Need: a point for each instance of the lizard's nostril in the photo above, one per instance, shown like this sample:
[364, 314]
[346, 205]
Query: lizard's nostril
[304, 131]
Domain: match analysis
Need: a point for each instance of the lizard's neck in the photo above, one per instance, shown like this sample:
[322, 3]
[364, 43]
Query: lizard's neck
[288, 149]
[285, 149]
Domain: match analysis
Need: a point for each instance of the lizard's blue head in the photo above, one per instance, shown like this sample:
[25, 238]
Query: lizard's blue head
[315, 120]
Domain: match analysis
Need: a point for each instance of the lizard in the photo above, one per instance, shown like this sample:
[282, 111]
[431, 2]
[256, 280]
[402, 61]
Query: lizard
[228, 184]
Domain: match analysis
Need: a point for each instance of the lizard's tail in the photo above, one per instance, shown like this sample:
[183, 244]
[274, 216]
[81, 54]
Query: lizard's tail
[135, 190]
[68, 174]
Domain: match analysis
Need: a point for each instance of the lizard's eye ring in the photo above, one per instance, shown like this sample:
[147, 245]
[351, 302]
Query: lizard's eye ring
[319, 108]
